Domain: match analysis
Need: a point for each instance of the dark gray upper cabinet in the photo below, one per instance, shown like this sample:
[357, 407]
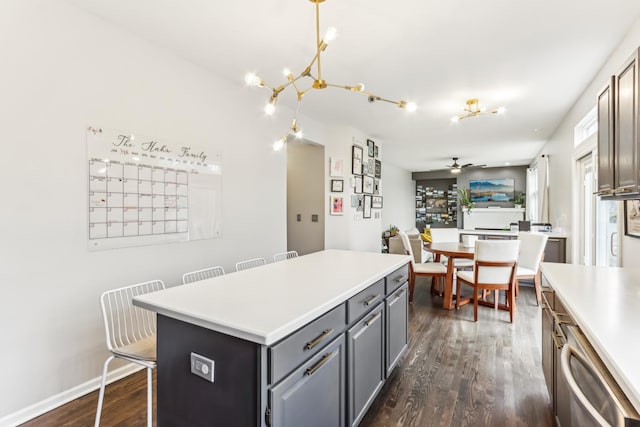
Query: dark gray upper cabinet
[618, 133]
[626, 127]
[606, 127]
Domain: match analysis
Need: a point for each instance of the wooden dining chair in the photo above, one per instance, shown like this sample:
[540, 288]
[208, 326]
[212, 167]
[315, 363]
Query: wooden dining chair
[205, 273]
[532, 247]
[435, 270]
[250, 263]
[494, 269]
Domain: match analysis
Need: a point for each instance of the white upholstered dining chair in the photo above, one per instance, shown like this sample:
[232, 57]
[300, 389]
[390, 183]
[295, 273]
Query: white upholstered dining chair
[532, 247]
[205, 273]
[435, 270]
[130, 334]
[250, 263]
[450, 235]
[494, 269]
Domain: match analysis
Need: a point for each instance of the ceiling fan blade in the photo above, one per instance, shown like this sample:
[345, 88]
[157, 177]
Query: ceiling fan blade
[467, 165]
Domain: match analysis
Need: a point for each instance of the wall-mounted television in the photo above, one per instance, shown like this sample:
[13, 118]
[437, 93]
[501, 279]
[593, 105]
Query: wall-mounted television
[492, 190]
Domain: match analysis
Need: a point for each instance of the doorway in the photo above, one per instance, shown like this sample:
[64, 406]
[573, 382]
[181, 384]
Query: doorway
[586, 203]
[305, 197]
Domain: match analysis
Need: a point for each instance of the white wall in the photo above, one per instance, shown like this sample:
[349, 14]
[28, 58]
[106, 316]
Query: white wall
[399, 198]
[560, 145]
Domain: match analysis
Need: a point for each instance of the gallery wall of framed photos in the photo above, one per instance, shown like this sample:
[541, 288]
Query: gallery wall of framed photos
[366, 182]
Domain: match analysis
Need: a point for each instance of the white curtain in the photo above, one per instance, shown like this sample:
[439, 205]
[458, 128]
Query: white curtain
[538, 190]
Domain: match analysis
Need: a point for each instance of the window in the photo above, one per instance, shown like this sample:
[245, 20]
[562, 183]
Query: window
[588, 126]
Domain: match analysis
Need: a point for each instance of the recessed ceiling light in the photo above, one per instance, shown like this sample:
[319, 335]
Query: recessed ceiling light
[507, 164]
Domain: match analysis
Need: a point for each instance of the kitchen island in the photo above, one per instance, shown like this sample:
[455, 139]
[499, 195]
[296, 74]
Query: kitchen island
[604, 304]
[283, 344]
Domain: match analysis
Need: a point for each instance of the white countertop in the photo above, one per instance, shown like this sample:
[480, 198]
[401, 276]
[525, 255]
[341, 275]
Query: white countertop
[605, 303]
[551, 234]
[265, 304]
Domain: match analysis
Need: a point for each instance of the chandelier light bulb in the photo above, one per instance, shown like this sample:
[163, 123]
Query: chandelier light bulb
[251, 79]
[269, 109]
[411, 107]
[286, 72]
[360, 87]
[277, 146]
[501, 110]
[330, 35]
[298, 134]
[455, 119]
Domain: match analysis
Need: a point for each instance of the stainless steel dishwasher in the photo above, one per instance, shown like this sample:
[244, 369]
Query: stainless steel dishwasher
[594, 397]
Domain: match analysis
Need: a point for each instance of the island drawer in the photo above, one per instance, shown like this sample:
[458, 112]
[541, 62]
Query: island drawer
[289, 353]
[397, 278]
[364, 301]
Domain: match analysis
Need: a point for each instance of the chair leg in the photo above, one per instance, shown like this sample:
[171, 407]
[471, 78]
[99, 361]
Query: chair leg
[538, 287]
[149, 397]
[102, 386]
[496, 298]
[517, 287]
[475, 304]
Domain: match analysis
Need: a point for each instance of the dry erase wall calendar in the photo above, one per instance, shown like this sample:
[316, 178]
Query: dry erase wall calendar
[144, 190]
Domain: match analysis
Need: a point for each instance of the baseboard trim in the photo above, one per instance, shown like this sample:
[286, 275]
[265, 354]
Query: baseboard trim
[44, 406]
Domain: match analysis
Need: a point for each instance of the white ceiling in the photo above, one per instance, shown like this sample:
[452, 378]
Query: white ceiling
[532, 57]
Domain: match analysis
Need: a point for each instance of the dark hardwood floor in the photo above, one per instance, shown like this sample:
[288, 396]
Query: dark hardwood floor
[455, 373]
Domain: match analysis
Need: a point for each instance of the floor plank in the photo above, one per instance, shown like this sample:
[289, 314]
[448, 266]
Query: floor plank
[455, 373]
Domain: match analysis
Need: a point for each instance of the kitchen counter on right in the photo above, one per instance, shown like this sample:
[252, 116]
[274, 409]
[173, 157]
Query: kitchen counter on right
[605, 303]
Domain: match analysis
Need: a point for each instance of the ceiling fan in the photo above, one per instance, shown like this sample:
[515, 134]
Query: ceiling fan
[456, 167]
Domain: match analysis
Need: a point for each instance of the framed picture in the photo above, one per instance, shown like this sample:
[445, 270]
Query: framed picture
[360, 207]
[355, 200]
[336, 167]
[371, 147]
[492, 190]
[358, 187]
[632, 218]
[337, 185]
[367, 207]
[356, 160]
[337, 205]
[367, 184]
[372, 167]
[375, 151]
[376, 186]
[376, 202]
[378, 170]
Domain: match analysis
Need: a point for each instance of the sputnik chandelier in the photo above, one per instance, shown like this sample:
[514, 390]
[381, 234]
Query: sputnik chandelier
[317, 83]
[473, 109]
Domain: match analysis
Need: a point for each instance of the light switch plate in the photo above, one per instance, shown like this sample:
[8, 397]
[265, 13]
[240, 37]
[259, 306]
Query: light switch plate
[202, 366]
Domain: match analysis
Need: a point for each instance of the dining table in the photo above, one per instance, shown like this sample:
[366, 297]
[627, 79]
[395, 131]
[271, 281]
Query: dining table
[451, 250]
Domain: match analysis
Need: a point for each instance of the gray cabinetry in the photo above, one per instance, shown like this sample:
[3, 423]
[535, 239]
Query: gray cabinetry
[618, 132]
[365, 346]
[606, 129]
[626, 127]
[556, 250]
[326, 373]
[313, 395]
[397, 322]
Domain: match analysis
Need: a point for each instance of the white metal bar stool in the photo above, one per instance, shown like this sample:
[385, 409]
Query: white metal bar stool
[130, 334]
[250, 263]
[205, 273]
[285, 255]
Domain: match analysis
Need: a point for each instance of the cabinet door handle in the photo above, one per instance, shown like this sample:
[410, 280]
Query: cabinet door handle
[318, 365]
[371, 300]
[373, 319]
[402, 279]
[318, 339]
